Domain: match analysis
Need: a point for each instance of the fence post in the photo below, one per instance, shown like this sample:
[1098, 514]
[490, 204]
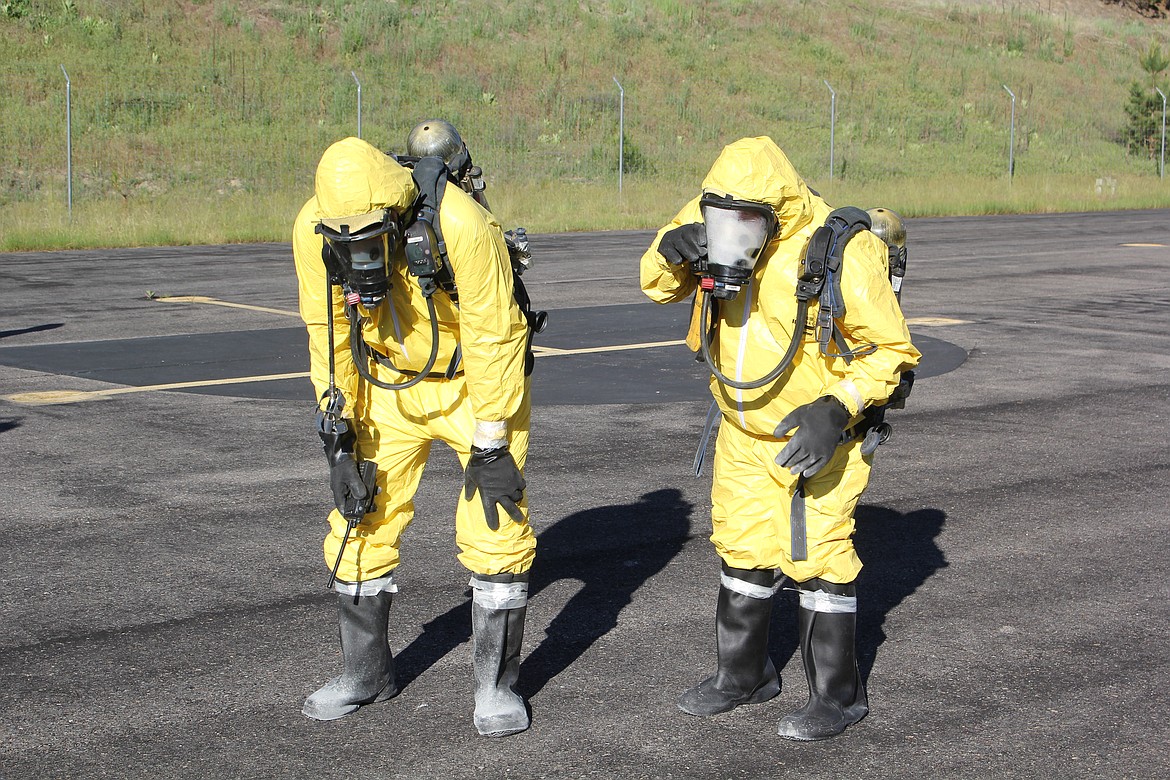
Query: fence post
[359, 98]
[1162, 157]
[1012, 137]
[832, 124]
[68, 139]
[621, 131]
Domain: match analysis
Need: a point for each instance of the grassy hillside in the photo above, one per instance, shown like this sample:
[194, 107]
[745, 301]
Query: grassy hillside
[202, 121]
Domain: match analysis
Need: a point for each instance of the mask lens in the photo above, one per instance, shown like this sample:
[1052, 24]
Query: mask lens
[368, 254]
[364, 265]
[735, 237]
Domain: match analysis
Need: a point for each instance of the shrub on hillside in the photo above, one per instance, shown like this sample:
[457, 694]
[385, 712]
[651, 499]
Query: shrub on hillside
[1143, 110]
[1154, 9]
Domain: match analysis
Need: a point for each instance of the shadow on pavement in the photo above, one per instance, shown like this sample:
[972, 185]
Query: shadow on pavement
[34, 329]
[900, 554]
[8, 423]
[639, 540]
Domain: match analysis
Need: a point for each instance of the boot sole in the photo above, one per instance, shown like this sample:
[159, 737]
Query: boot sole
[336, 713]
[765, 692]
[851, 716]
[502, 730]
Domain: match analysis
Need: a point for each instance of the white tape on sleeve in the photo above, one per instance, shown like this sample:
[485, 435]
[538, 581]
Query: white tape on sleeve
[848, 386]
[490, 435]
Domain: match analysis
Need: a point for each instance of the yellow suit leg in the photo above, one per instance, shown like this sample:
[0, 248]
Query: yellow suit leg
[512, 548]
[400, 448]
[396, 430]
[751, 500]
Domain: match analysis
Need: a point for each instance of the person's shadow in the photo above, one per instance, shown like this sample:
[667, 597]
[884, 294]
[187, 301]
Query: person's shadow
[899, 554]
[610, 550]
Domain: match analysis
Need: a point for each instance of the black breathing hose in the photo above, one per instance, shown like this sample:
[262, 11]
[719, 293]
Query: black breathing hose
[360, 360]
[774, 374]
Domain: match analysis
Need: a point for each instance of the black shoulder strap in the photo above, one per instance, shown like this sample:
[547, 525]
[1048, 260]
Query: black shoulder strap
[430, 176]
[821, 272]
[825, 250]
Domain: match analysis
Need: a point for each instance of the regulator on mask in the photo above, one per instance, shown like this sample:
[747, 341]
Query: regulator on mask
[737, 233]
[357, 252]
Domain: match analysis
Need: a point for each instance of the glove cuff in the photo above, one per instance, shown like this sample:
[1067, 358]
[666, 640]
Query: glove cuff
[483, 457]
[337, 438]
[838, 410]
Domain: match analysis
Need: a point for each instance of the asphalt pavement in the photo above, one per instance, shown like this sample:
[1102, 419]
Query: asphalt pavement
[163, 610]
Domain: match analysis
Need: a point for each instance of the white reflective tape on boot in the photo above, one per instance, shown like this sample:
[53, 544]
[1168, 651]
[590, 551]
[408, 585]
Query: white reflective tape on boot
[499, 595]
[823, 601]
[367, 587]
[744, 588]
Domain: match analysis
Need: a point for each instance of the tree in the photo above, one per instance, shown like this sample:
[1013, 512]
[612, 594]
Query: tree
[1143, 111]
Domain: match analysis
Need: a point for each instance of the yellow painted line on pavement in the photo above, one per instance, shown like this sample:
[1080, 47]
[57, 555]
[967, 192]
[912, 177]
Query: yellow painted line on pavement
[49, 397]
[551, 352]
[932, 322]
[53, 397]
[539, 350]
[229, 304]
[1143, 245]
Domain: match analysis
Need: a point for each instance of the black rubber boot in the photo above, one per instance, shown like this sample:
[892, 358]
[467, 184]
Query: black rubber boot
[368, 672]
[497, 636]
[828, 647]
[745, 674]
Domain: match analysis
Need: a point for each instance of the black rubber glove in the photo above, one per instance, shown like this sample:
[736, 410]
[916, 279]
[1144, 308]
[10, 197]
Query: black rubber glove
[684, 245]
[818, 432]
[345, 480]
[339, 442]
[497, 478]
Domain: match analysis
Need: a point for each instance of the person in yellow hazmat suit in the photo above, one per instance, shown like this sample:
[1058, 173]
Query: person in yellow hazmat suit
[789, 465]
[407, 347]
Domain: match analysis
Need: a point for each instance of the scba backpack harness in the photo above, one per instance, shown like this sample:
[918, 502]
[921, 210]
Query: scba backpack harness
[820, 281]
[426, 251]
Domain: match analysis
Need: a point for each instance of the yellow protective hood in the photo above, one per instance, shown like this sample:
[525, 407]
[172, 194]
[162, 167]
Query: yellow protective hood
[355, 178]
[756, 169]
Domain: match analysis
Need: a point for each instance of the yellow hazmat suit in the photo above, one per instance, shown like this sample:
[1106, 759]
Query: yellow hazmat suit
[752, 495]
[396, 428]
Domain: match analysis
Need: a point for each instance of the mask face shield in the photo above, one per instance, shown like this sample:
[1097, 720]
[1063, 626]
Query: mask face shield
[361, 248]
[737, 233]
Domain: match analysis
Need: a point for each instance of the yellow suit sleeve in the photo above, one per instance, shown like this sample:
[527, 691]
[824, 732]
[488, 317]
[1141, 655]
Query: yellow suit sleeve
[492, 331]
[315, 300]
[661, 281]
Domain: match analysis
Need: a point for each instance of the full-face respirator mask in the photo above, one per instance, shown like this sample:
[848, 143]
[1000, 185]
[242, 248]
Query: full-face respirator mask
[738, 231]
[357, 252]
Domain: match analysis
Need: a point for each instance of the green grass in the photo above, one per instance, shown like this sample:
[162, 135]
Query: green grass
[201, 122]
